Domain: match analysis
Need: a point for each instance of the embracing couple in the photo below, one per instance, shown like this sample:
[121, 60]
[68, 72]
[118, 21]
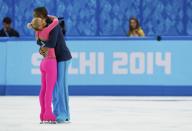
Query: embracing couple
[53, 67]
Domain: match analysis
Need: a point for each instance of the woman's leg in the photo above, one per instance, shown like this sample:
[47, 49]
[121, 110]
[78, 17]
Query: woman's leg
[51, 76]
[42, 92]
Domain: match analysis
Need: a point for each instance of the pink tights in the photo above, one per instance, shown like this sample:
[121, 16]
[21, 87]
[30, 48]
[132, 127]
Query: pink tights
[48, 69]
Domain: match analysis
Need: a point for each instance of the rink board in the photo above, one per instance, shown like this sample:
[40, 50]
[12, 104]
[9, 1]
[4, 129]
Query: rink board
[104, 67]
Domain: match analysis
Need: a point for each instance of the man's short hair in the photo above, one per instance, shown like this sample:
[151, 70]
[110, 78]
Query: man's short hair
[40, 12]
[7, 20]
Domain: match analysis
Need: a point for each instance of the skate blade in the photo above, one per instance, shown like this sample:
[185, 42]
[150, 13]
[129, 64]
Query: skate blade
[67, 122]
[63, 122]
[48, 122]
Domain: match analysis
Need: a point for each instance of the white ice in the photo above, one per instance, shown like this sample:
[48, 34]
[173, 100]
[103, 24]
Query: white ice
[102, 114]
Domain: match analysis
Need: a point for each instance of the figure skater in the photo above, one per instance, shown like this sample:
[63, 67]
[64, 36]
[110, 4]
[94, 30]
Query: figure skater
[48, 68]
[63, 55]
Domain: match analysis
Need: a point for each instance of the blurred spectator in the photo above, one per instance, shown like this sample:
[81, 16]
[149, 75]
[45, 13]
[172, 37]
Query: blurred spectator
[135, 28]
[7, 30]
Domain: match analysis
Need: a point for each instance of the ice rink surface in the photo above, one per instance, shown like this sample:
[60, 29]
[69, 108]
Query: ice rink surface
[102, 114]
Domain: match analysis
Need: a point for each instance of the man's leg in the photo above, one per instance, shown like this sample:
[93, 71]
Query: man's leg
[55, 98]
[61, 96]
[66, 91]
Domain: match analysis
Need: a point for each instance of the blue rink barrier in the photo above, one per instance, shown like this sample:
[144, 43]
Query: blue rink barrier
[106, 66]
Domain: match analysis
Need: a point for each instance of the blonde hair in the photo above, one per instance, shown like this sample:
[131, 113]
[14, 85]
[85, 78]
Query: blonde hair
[36, 23]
